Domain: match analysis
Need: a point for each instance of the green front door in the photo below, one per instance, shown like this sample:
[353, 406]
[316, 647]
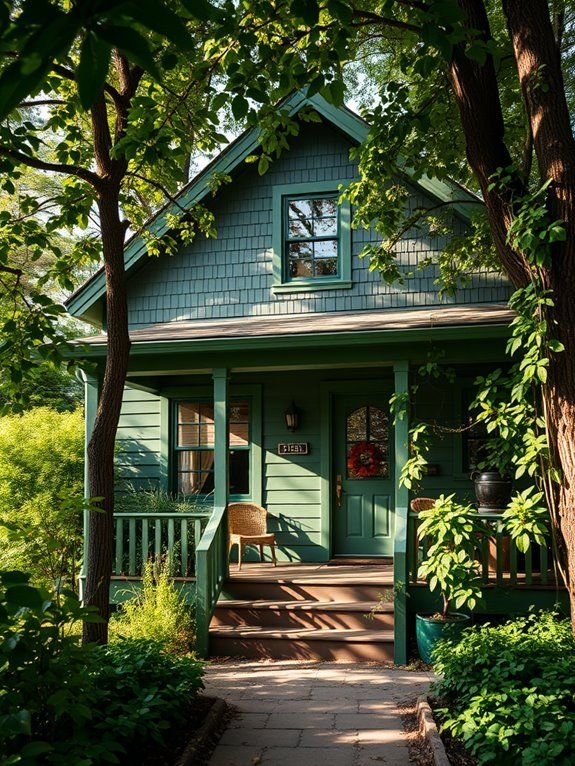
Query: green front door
[362, 482]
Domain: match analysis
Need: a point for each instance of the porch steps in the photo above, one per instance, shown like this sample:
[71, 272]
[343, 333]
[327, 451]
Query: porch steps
[311, 616]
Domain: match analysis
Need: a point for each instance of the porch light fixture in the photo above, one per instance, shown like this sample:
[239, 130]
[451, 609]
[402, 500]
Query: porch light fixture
[292, 416]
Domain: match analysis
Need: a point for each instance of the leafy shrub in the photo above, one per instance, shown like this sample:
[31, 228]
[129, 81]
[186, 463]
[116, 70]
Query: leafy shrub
[63, 704]
[47, 692]
[510, 691]
[41, 474]
[158, 612]
[145, 692]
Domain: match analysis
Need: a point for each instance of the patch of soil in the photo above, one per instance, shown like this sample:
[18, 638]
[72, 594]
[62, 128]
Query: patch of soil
[179, 737]
[456, 751]
[419, 748]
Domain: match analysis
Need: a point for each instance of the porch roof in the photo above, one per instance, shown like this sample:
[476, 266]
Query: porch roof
[337, 323]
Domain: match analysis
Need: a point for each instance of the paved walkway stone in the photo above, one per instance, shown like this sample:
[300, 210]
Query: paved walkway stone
[313, 714]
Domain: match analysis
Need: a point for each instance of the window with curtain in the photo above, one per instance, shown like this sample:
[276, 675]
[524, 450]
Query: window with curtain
[194, 448]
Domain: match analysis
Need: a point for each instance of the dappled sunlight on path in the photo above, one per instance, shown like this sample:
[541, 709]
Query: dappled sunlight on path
[306, 714]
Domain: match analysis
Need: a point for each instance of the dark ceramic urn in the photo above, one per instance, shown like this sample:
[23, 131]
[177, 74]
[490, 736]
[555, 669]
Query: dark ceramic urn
[493, 491]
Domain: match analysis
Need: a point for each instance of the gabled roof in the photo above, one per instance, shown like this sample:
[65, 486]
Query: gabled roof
[84, 302]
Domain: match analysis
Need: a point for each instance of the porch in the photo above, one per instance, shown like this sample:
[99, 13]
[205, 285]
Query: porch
[204, 415]
[333, 610]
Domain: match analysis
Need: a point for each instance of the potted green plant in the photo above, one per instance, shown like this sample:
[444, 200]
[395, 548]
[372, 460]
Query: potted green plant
[450, 567]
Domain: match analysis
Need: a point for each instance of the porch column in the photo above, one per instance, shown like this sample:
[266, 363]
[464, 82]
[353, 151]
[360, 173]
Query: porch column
[221, 452]
[221, 455]
[401, 447]
[91, 396]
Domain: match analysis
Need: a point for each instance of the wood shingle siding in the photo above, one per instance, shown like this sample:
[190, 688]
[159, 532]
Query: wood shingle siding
[231, 276]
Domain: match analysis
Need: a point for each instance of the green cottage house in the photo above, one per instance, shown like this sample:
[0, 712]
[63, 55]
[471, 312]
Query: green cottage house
[262, 366]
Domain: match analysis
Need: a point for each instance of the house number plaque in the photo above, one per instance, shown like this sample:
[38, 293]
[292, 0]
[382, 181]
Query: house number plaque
[297, 448]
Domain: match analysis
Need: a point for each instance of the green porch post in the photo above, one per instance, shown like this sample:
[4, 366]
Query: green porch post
[91, 395]
[221, 451]
[401, 377]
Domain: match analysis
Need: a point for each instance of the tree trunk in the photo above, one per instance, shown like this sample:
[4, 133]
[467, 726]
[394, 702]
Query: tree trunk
[102, 444]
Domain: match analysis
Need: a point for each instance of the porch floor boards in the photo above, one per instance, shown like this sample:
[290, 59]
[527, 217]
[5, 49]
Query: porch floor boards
[321, 611]
[324, 572]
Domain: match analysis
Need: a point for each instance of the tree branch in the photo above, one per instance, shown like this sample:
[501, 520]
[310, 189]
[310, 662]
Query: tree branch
[69, 74]
[368, 17]
[52, 167]
[160, 187]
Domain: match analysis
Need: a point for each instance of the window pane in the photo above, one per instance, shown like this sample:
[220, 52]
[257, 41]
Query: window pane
[378, 424]
[239, 412]
[207, 435]
[239, 434]
[300, 250]
[326, 248]
[299, 267]
[188, 412]
[357, 425]
[239, 472]
[195, 472]
[206, 412]
[300, 229]
[298, 209]
[188, 436]
[324, 206]
[325, 227]
[326, 267]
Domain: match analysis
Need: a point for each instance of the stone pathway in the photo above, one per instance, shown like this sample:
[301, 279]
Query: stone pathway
[313, 714]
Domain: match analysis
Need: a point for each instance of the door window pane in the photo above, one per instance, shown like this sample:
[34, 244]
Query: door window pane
[367, 443]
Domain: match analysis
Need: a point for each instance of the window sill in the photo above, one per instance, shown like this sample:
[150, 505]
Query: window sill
[312, 286]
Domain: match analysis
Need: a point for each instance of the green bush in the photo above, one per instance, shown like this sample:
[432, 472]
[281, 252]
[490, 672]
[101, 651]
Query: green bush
[63, 704]
[41, 471]
[158, 612]
[510, 691]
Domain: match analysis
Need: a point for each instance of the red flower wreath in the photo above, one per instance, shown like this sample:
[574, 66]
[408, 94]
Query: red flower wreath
[365, 459]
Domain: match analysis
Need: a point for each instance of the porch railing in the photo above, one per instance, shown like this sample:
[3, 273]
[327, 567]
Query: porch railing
[501, 563]
[142, 536]
[211, 571]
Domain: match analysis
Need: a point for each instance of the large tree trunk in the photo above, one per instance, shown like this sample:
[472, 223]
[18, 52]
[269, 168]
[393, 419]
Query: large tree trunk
[476, 92]
[539, 69]
[102, 444]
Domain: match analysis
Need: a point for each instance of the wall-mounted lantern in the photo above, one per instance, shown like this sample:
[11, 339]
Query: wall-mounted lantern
[292, 416]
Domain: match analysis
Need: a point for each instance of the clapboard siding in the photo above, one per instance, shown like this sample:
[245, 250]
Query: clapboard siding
[138, 441]
[231, 276]
[292, 486]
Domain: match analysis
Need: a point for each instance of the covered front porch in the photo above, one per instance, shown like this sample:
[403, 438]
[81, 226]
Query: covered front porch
[204, 417]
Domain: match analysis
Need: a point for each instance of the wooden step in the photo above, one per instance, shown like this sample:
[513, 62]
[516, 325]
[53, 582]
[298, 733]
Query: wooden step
[305, 644]
[358, 615]
[305, 590]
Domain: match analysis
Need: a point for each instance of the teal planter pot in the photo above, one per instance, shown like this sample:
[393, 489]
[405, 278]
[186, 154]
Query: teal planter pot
[429, 630]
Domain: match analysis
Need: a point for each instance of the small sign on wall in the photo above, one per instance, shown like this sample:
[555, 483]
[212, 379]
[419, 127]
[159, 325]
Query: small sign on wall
[297, 448]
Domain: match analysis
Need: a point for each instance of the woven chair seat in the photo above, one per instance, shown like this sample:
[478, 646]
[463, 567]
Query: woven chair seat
[247, 525]
[419, 504]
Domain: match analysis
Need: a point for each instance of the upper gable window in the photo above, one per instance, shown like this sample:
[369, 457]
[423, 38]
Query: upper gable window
[312, 242]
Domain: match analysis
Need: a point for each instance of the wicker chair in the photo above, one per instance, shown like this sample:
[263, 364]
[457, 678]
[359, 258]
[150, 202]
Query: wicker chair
[247, 526]
[422, 504]
[417, 505]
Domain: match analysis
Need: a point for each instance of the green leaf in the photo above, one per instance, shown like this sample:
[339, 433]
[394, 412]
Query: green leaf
[307, 10]
[202, 10]
[155, 15]
[92, 68]
[240, 107]
[24, 595]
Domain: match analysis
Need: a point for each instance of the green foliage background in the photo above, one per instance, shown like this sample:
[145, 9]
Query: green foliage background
[41, 468]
